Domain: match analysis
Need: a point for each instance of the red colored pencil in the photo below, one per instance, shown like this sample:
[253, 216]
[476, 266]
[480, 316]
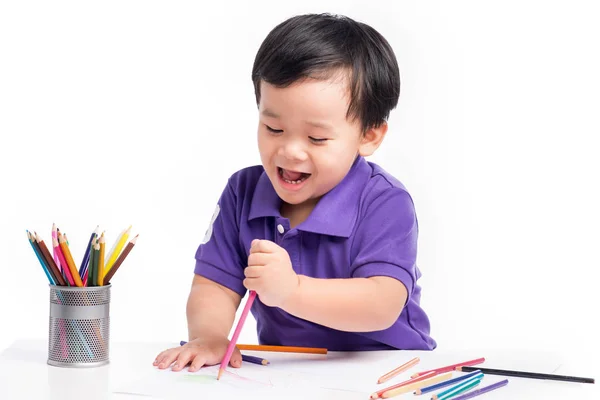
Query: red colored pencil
[451, 367]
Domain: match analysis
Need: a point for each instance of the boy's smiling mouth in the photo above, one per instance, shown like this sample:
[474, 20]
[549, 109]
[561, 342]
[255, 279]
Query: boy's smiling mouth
[292, 177]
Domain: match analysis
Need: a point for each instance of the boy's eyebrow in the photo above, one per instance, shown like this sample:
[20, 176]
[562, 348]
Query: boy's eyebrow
[268, 113]
[317, 124]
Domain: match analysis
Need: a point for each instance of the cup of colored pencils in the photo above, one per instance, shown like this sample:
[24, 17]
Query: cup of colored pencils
[79, 326]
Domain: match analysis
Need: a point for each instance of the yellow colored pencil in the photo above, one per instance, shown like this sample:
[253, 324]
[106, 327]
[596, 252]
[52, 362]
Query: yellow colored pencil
[417, 385]
[69, 259]
[112, 257]
[101, 261]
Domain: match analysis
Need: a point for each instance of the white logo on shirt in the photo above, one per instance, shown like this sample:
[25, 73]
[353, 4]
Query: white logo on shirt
[209, 231]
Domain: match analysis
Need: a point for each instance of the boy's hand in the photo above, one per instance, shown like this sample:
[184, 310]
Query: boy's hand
[197, 353]
[270, 273]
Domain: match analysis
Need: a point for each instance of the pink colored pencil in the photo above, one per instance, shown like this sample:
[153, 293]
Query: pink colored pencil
[63, 262]
[54, 255]
[62, 331]
[236, 333]
[451, 367]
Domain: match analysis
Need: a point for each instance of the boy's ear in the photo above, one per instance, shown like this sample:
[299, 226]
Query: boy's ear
[372, 139]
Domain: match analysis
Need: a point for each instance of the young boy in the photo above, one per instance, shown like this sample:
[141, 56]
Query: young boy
[326, 239]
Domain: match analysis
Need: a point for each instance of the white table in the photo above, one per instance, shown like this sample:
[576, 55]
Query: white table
[24, 373]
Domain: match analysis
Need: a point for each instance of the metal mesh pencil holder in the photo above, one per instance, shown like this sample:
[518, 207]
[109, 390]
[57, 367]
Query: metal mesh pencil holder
[79, 326]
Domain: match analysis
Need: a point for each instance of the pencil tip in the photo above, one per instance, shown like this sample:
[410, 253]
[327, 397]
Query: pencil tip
[220, 373]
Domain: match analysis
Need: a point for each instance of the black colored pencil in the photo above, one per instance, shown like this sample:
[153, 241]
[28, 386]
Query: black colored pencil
[523, 374]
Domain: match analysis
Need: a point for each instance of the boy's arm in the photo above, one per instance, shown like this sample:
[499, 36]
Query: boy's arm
[210, 309]
[354, 304]
[381, 277]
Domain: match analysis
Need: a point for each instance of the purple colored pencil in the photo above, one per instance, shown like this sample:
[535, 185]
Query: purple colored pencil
[86, 257]
[483, 390]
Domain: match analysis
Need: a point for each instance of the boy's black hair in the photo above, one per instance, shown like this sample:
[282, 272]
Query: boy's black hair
[320, 45]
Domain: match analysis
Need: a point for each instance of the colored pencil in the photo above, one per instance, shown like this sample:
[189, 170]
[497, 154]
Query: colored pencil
[246, 358]
[407, 388]
[431, 388]
[69, 260]
[533, 375]
[93, 266]
[282, 349]
[54, 255]
[86, 256]
[94, 273]
[89, 272]
[38, 251]
[50, 261]
[116, 250]
[108, 276]
[459, 385]
[456, 390]
[398, 370]
[428, 375]
[39, 257]
[100, 278]
[483, 390]
[63, 262]
[236, 333]
[451, 367]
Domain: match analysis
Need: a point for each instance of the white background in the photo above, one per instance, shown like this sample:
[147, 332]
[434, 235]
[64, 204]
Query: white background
[136, 112]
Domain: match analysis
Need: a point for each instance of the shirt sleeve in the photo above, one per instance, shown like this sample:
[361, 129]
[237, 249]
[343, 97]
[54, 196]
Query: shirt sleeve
[385, 241]
[220, 256]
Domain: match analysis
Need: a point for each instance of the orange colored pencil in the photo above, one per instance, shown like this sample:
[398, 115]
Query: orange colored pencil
[451, 367]
[428, 375]
[398, 370]
[69, 259]
[282, 349]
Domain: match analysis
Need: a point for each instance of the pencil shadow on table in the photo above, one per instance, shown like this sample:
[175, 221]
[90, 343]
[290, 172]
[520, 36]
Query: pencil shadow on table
[293, 358]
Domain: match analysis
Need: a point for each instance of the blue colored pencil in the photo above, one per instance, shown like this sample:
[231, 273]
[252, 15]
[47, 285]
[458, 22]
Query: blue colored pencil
[39, 256]
[247, 358]
[431, 388]
[86, 256]
[456, 389]
[483, 390]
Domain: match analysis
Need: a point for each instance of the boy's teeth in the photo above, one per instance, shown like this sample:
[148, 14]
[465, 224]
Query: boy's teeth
[291, 175]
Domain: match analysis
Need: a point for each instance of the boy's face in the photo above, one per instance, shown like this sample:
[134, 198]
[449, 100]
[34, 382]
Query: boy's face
[306, 143]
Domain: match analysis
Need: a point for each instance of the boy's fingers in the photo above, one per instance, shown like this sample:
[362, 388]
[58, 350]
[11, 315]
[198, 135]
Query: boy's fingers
[184, 358]
[253, 246]
[168, 359]
[251, 284]
[263, 246]
[252, 272]
[258, 259]
[160, 357]
[197, 363]
[236, 358]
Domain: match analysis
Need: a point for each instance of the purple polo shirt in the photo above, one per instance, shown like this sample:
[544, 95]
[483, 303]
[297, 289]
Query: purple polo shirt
[365, 226]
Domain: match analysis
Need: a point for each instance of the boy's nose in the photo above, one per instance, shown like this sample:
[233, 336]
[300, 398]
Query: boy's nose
[293, 151]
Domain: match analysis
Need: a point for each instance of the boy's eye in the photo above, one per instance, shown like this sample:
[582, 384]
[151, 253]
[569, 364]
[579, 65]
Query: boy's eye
[317, 140]
[273, 130]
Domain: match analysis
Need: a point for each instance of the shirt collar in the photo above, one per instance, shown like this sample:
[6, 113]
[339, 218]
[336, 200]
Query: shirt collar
[335, 214]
